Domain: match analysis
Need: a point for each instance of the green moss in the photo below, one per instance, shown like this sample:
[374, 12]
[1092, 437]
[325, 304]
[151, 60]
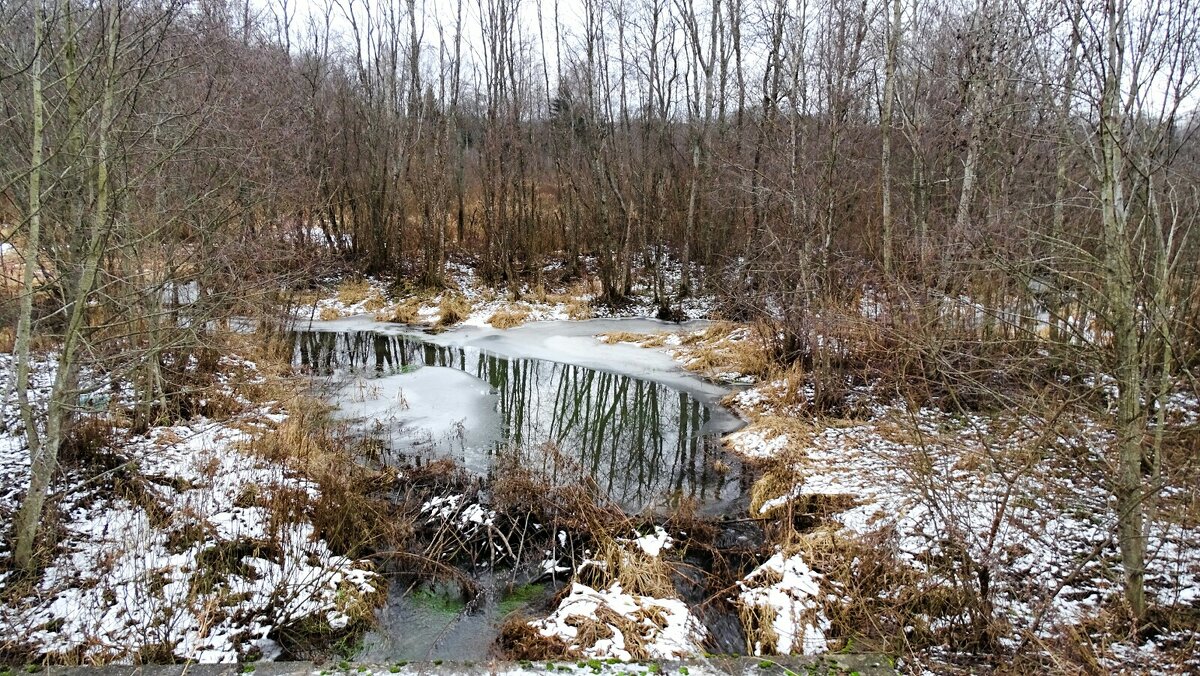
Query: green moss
[519, 597]
[440, 603]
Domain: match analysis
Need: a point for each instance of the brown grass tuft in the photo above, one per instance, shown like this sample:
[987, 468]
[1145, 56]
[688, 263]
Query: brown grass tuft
[374, 303]
[329, 314]
[758, 624]
[637, 572]
[407, 312]
[506, 318]
[349, 513]
[776, 482]
[724, 348]
[580, 309]
[453, 309]
[520, 641]
[643, 339]
[353, 291]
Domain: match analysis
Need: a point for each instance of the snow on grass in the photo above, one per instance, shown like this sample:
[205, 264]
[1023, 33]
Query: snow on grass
[550, 301]
[622, 605]
[1023, 498]
[785, 593]
[468, 517]
[191, 548]
[631, 626]
[654, 543]
[721, 351]
[757, 443]
[346, 299]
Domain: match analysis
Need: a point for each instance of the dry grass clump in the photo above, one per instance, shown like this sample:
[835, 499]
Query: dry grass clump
[518, 640]
[329, 314]
[453, 309]
[886, 605]
[637, 572]
[349, 513]
[726, 347]
[775, 488]
[633, 629]
[352, 291]
[508, 317]
[408, 312]
[614, 337]
[374, 302]
[579, 309]
[640, 339]
[305, 298]
[722, 348]
[758, 621]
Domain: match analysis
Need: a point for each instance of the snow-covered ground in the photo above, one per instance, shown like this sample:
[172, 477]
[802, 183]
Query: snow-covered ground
[181, 551]
[1011, 496]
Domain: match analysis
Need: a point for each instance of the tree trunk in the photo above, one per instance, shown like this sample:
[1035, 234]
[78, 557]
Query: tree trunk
[1119, 285]
[27, 519]
[885, 122]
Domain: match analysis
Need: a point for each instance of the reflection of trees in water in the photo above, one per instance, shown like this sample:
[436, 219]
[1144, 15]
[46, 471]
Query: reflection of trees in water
[328, 353]
[639, 440]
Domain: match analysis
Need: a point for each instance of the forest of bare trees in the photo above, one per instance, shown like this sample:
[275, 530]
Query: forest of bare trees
[1007, 190]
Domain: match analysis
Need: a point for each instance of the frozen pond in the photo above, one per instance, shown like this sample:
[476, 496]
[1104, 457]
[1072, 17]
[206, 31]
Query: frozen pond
[645, 430]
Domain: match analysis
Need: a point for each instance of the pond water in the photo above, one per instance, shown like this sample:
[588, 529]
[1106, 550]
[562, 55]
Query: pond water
[647, 432]
[644, 430]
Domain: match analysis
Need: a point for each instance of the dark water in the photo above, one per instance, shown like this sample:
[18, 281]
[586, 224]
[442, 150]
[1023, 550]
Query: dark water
[645, 443]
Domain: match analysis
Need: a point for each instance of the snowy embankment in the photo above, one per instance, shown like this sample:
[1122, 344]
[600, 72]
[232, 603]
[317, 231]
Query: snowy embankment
[469, 300]
[1017, 501]
[175, 544]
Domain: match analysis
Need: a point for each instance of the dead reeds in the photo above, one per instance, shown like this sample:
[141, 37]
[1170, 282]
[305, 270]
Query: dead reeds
[453, 309]
[508, 317]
